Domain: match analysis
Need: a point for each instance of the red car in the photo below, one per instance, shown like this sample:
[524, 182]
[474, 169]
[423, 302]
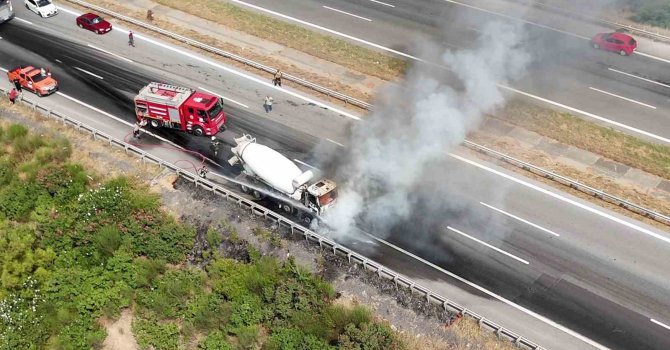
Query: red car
[622, 43]
[94, 23]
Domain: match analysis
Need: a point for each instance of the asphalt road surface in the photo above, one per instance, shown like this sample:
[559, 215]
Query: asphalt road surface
[563, 272]
[628, 93]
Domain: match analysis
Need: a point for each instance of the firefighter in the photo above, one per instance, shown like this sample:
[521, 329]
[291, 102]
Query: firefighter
[267, 103]
[215, 145]
[131, 39]
[17, 85]
[202, 172]
[277, 79]
[137, 129]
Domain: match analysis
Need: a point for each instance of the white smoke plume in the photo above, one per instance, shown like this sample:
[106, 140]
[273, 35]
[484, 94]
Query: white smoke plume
[415, 125]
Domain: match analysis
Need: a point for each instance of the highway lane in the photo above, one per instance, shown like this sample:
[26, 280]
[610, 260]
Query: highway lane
[564, 70]
[486, 269]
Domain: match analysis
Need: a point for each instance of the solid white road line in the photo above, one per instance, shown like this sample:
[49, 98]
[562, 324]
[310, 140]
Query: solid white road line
[375, 1]
[309, 24]
[305, 164]
[347, 13]
[223, 97]
[59, 61]
[516, 19]
[336, 143]
[623, 98]
[232, 71]
[23, 20]
[520, 219]
[496, 296]
[660, 323]
[565, 199]
[488, 245]
[638, 77]
[4, 70]
[110, 53]
[591, 115]
[89, 73]
[651, 56]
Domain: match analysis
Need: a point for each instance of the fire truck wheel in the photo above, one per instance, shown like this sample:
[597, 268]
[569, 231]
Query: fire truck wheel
[287, 208]
[156, 123]
[197, 131]
[257, 195]
[245, 189]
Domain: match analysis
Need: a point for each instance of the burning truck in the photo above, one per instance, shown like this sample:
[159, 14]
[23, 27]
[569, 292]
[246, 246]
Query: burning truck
[274, 177]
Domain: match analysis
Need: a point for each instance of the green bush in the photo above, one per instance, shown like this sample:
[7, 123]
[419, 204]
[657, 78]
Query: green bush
[655, 13]
[157, 335]
[15, 131]
[18, 200]
[247, 336]
[283, 338]
[369, 336]
[215, 341]
[171, 293]
[107, 240]
[20, 257]
[147, 270]
[207, 312]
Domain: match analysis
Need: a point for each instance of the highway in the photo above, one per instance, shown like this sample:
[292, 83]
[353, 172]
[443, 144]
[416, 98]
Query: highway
[627, 93]
[561, 271]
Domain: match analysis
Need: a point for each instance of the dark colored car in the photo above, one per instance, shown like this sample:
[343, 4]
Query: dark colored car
[622, 43]
[94, 23]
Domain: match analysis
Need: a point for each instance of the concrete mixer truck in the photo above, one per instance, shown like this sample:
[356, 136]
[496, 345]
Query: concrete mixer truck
[271, 172]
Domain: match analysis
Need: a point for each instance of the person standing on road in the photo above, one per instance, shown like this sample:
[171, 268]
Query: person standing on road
[202, 172]
[267, 104]
[137, 129]
[17, 86]
[12, 96]
[216, 144]
[277, 79]
[131, 39]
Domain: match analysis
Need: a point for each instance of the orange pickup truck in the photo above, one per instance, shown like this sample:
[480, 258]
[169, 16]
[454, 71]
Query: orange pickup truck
[37, 80]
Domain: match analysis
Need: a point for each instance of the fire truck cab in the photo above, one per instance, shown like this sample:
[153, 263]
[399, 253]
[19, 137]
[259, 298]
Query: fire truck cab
[180, 108]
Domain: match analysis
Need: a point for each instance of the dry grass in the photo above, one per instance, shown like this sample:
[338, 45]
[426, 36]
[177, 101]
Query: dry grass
[513, 148]
[570, 130]
[326, 47]
[465, 335]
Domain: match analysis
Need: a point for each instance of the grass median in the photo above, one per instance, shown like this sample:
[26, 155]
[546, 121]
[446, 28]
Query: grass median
[568, 129]
[296, 37]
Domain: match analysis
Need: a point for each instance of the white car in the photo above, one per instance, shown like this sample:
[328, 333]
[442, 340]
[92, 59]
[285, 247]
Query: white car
[44, 8]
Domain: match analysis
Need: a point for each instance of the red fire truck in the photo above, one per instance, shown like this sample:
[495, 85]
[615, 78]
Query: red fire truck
[180, 108]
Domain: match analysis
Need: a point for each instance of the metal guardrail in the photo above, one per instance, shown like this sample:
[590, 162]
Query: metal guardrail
[570, 183]
[310, 236]
[595, 20]
[226, 54]
[347, 99]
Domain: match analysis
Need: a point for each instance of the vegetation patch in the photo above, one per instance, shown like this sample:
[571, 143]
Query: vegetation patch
[568, 129]
[73, 252]
[654, 12]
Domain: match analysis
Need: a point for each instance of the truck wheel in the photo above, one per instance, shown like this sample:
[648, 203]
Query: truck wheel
[287, 208]
[307, 220]
[156, 123]
[245, 189]
[197, 131]
[257, 195]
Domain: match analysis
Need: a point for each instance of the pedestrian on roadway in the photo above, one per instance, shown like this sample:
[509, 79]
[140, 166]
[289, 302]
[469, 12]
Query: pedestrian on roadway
[277, 79]
[267, 104]
[12, 96]
[17, 85]
[131, 39]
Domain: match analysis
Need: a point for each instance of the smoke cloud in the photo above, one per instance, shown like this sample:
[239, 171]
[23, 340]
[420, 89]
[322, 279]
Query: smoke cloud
[393, 153]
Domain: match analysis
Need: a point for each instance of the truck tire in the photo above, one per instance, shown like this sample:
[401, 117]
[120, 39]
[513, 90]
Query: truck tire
[155, 123]
[245, 189]
[288, 209]
[307, 219]
[197, 131]
[257, 195]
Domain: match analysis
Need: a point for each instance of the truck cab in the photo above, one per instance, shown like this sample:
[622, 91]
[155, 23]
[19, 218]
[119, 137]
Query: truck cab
[321, 196]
